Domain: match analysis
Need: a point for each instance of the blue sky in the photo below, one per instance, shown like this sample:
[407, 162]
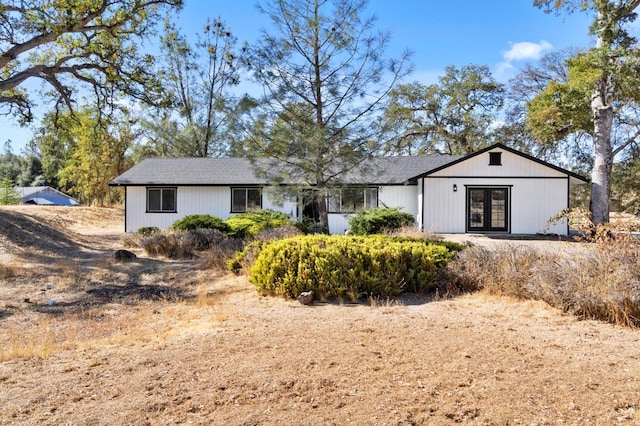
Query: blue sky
[502, 34]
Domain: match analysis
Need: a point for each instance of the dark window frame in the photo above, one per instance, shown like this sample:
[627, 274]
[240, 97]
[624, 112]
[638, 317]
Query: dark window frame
[162, 207]
[337, 204]
[488, 227]
[495, 158]
[246, 199]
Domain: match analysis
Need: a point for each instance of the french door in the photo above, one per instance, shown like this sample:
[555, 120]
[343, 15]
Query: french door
[487, 209]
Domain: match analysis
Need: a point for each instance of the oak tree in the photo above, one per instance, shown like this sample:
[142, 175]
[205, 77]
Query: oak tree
[66, 44]
[454, 116]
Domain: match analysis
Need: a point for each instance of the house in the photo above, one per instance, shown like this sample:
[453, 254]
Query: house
[497, 189]
[44, 195]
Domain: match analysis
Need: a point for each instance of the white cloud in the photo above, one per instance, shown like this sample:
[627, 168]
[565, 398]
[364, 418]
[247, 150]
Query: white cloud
[519, 51]
[526, 50]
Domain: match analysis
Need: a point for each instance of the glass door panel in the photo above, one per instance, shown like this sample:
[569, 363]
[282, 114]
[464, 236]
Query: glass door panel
[488, 209]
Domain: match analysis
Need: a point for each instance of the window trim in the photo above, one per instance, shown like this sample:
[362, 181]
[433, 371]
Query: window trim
[246, 189]
[338, 194]
[162, 189]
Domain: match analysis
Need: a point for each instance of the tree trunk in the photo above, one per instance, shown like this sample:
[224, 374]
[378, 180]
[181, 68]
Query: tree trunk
[602, 123]
[603, 162]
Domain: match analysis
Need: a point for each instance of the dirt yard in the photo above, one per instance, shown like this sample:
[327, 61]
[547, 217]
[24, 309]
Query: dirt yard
[86, 340]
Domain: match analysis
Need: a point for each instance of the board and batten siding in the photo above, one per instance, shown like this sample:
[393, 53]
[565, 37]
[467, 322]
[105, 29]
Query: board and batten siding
[531, 203]
[391, 196]
[210, 200]
[536, 193]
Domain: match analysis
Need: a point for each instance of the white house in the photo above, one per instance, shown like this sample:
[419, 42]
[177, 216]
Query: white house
[497, 189]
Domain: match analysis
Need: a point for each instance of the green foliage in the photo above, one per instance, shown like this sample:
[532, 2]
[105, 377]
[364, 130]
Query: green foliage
[8, 194]
[316, 64]
[250, 223]
[145, 231]
[451, 117]
[243, 259]
[97, 155]
[374, 221]
[66, 44]
[200, 221]
[346, 266]
[198, 78]
[563, 107]
[23, 170]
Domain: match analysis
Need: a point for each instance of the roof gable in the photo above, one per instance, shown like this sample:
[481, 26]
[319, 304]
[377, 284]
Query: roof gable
[498, 146]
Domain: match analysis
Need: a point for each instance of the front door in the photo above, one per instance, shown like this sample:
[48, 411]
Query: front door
[487, 209]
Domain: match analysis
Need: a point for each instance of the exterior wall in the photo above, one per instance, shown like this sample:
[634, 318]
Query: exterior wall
[390, 196]
[536, 193]
[190, 200]
[531, 203]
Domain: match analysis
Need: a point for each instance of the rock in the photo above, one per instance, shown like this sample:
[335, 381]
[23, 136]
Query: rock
[306, 298]
[124, 256]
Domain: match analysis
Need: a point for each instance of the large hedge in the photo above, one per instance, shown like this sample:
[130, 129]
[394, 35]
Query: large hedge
[347, 266]
[374, 221]
[250, 223]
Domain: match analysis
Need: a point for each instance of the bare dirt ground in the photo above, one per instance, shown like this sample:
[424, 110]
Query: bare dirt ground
[85, 340]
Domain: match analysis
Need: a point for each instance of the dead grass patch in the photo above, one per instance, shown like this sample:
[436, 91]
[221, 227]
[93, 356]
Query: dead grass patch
[599, 281]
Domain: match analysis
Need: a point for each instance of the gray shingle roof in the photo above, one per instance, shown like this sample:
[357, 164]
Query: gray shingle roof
[239, 171]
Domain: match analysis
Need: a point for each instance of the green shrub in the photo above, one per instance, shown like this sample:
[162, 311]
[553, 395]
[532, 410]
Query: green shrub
[339, 266]
[200, 221]
[375, 221]
[250, 223]
[145, 231]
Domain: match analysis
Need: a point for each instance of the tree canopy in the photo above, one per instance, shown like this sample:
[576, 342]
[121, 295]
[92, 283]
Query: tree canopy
[605, 81]
[325, 77]
[64, 43]
[198, 78]
[454, 116]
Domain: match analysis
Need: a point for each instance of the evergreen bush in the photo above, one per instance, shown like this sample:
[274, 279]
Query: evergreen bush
[347, 266]
[200, 221]
[250, 223]
[375, 221]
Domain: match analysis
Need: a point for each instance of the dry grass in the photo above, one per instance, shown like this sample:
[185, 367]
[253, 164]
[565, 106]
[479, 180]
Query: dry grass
[11, 269]
[163, 341]
[153, 321]
[599, 281]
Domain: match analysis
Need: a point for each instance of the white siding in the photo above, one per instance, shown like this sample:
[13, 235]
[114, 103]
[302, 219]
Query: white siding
[537, 193]
[399, 196]
[531, 203]
[215, 201]
[512, 166]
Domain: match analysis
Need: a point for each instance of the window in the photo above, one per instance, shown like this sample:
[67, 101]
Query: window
[495, 159]
[245, 199]
[161, 200]
[349, 200]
